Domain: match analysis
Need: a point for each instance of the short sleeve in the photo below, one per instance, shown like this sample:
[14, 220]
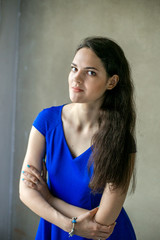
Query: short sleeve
[40, 122]
[48, 119]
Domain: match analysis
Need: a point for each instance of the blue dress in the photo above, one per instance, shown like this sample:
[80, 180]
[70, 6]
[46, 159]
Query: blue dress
[68, 178]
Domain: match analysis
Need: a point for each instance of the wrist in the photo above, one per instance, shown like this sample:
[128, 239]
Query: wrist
[68, 225]
[72, 231]
[49, 198]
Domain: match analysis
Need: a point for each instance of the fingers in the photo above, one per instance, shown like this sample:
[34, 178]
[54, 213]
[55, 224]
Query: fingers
[106, 228]
[29, 183]
[30, 177]
[41, 176]
[111, 227]
[102, 231]
[33, 178]
[35, 172]
[92, 230]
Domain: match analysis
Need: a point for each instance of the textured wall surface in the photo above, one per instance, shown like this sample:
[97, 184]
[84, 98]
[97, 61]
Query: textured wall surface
[49, 31]
[8, 58]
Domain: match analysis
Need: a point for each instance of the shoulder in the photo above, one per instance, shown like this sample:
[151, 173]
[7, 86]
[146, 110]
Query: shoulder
[52, 112]
[48, 118]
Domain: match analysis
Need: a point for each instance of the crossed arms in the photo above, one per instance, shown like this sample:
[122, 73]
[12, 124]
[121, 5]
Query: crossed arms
[95, 224]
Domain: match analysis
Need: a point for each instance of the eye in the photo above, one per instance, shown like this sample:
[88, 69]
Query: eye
[74, 69]
[91, 73]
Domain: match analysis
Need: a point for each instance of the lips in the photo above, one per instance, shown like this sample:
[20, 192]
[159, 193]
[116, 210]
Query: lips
[76, 89]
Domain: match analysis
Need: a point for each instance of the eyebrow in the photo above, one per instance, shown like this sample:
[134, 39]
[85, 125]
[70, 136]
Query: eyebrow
[85, 67]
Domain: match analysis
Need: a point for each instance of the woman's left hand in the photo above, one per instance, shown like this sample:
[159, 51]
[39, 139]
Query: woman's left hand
[37, 181]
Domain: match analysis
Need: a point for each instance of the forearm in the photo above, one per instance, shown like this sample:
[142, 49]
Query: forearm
[53, 210]
[65, 208]
[41, 188]
[42, 208]
[110, 206]
[106, 218]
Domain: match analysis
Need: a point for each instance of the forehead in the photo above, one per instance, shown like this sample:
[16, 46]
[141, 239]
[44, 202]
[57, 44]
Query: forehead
[86, 57]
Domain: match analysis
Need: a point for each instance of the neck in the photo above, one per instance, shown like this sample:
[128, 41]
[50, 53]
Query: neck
[85, 115]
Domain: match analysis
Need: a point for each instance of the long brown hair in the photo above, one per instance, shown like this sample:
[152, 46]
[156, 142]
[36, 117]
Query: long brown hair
[113, 142]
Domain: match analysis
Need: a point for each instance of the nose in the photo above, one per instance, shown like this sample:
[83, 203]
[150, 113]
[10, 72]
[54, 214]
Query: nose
[78, 77]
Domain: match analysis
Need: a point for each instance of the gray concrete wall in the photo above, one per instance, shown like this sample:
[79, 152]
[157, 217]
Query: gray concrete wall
[49, 31]
[8, 69]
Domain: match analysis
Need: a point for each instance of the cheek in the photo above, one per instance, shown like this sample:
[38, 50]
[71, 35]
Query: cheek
[69, 78]
[99, 87]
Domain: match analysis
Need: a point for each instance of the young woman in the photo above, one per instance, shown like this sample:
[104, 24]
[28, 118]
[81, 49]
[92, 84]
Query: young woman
[89, 149]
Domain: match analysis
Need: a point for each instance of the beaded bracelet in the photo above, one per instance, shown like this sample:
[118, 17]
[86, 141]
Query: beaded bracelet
[71, 233]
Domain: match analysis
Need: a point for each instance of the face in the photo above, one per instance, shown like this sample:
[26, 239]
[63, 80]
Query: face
[87, 78]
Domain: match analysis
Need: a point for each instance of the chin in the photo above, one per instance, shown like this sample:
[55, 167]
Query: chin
[76, 100]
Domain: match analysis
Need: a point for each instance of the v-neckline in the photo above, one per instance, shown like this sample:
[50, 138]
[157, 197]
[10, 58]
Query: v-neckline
[65, 141]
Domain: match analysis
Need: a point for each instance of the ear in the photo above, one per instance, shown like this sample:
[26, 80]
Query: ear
[112, 82]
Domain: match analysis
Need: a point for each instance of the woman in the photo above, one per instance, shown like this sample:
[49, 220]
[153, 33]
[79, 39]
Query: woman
[89, 149]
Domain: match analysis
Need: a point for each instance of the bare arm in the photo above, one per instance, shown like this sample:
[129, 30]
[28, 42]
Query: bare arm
[32, 198]
[111, 203]
[86, 226]
[110, 206]
[108, 211]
